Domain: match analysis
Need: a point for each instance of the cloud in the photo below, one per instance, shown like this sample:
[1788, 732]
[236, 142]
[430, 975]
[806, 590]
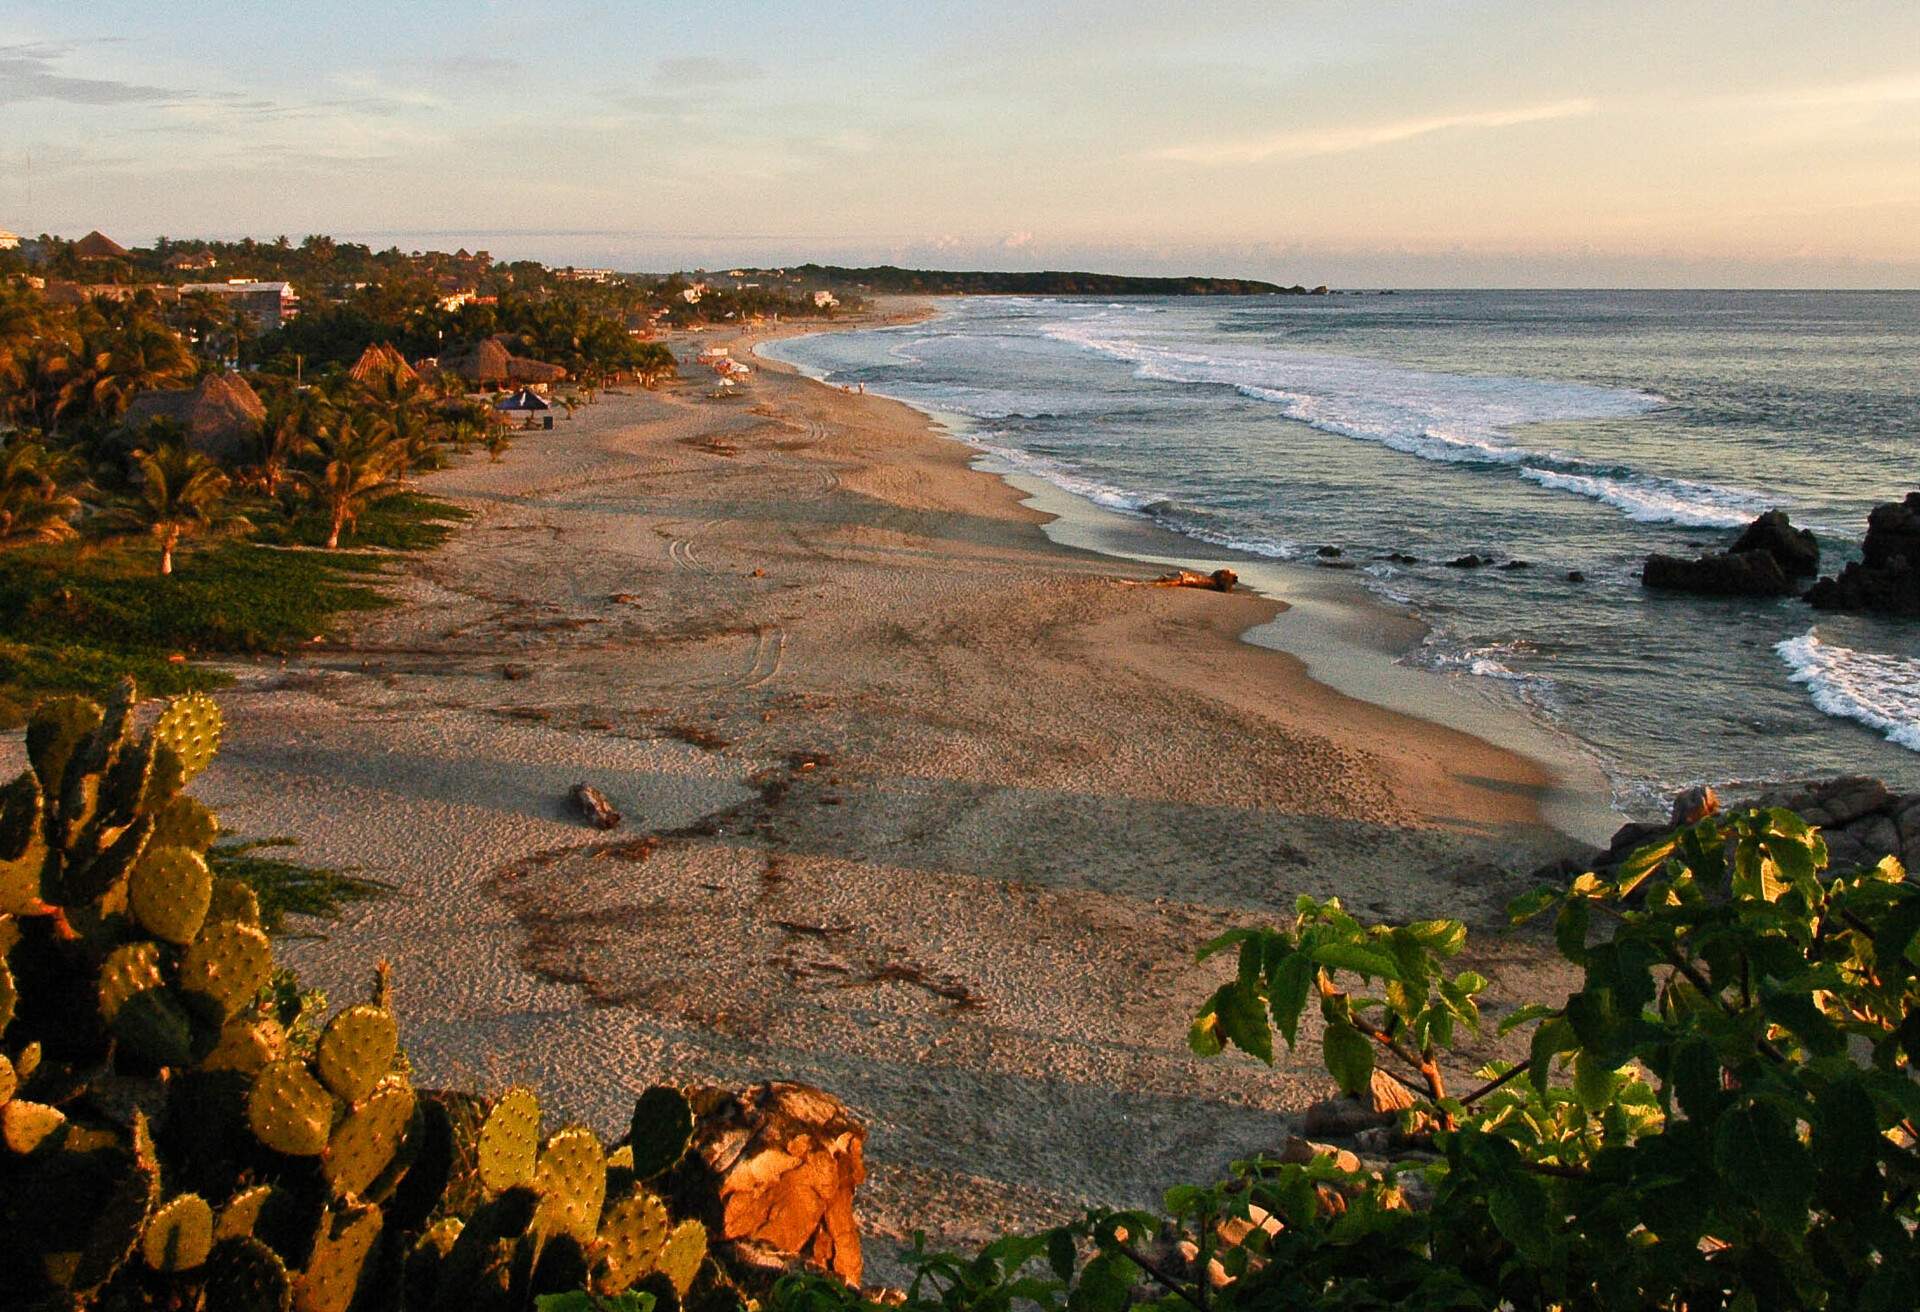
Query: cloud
[1873, 93]
[29, 72]
[1014, 241]
[690, 71]
[1340, 141]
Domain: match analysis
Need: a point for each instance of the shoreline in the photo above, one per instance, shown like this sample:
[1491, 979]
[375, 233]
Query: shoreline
[1349, 640]
[922, 807]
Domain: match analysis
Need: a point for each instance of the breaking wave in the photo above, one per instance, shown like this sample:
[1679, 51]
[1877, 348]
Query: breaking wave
[1881, 692]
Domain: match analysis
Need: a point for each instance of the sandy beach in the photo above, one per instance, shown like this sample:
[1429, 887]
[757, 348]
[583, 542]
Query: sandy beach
[920, 805]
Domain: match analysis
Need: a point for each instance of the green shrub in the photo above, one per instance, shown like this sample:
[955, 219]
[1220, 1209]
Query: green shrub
[1722, 1116]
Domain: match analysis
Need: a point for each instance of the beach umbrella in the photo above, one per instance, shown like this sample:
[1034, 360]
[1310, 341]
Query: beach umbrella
[526, 400]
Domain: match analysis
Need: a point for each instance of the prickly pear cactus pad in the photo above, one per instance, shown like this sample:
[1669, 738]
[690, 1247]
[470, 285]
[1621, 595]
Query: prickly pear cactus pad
[510, 1141]
[661, 1129]
[184, 822]
[356, 1049]
[25, 1125]
[339, 1258]
[190, 726]
[228, 963]
[129, 969]
[289, 1110]
[634, 1234]
[21, 850]
[572, 1183]
[244, 1275]
[364, 1146]
[179, 1235]
[241, 1212]
[169, 893]
[686, 1249]
[247, 1043]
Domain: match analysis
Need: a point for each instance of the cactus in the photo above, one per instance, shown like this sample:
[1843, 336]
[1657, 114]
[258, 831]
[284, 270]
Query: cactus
[289, 1110]
[56, 730]
[686, 1249]
[363, 1148]
[228, 963]
[9, 996]
[572, 1183]
[340, 1253]
[184, 822]
[233, 903]
[179, 1235]
[244, 1275]
[356, 1049]
[24, 1125]
[190, 726]
[169, 893]
[9, 1080]
[632, 1237]
[128, 970]
[247, 1044]
[510, 1141]
[661, 1129]
[22, 850]
[242, 1212]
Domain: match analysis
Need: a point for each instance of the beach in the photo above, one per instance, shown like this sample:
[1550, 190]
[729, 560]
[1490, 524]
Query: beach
[921, 806]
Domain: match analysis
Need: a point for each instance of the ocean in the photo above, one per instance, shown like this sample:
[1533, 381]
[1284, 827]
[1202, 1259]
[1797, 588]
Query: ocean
[1572, 431]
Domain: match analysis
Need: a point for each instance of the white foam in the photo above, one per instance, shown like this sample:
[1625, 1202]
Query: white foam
[1880, 691]
[1452, 418]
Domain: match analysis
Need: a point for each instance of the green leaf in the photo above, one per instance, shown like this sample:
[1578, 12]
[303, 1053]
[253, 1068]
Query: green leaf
[1106, 1284]
[1641, 862]
[1763, 1163]
[1062, 1253]
[1443, 936]
[1592, 1082]
[1243, 1019]
[1518, 1207]
[1349, 1056]
[1360, 960]
[1287, 994]
[1531, 1012]
[1203, 1037]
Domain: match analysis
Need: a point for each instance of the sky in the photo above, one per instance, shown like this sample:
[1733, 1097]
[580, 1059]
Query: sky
[1424, 143]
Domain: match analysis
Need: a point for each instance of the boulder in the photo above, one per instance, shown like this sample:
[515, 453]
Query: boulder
[1886, 580]
[1472, 560]
[776, 1165]
[1348, 1114]
[1721, 574]
[1796, 549]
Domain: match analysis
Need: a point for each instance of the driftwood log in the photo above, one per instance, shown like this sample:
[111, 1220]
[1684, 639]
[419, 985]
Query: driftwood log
[1221, 580]
[591, 803]
[774, 1166]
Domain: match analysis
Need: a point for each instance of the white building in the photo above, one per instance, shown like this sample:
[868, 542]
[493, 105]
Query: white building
[270, 304]
[9, 241]
[825, 300]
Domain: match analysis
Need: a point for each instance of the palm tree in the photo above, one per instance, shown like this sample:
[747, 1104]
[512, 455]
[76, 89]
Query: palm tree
[180, 493]
[294, 424]
[126, 353]
[34, 506]
[358, 466]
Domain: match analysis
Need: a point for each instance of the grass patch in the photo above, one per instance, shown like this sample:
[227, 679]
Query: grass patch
[290, 887]
[77, 616]
[405, 521]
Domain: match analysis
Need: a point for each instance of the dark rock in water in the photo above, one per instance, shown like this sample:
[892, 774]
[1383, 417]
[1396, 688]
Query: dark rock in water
[1575, 576]
[1887, 580]
[1722, 574]
[1797, 550]
[1518, 564]
[1469, 561]
[1329, 553]
[1694, 805]
[1325, 563]
[1401, 558]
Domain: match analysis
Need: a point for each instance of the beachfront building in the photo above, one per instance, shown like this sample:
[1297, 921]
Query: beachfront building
[9, 241]
[825, 300]
[571, 274]
[96, 245]
[268, 304]
[192, 261]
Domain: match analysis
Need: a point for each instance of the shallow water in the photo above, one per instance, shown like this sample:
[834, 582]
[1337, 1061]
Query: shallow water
[1575, 431]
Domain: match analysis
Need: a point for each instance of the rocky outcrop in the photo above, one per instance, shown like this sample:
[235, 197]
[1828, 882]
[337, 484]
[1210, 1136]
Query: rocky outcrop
[1886, 580]
[1720, 574]
[1860, 818]
[1763, 562]
[1796, 549]
[775, 1166]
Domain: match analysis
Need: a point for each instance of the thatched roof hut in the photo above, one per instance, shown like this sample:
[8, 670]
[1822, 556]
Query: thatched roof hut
[96, 245]
[483, 362]
[492, 362]
[380, 363]
[220, 415]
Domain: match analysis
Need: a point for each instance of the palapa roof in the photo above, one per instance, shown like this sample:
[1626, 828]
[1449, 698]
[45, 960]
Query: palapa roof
[482, 362]
[96, 245]
[219, 414]
[520, 369]
[379, 362]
